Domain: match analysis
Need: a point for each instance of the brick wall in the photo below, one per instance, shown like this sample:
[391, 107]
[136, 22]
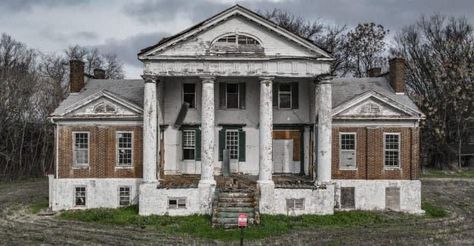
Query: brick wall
[102, 153]
[370, 154]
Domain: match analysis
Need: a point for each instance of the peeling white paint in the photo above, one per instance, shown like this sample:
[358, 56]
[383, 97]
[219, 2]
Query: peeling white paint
[316, 201]
[324, 132]
[150, 132]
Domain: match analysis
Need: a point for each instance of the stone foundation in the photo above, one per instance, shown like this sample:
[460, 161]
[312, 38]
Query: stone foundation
[372, 195]
[100, 193]
[316, 201]
[154, 201]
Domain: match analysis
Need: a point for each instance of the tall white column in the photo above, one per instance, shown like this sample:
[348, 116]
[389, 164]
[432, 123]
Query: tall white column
[150, 131]
[324, 131]
[265, 182]
[207, 183]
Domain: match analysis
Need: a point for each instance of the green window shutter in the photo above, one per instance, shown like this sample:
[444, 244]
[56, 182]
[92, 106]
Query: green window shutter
[221, 143]
[275, 94]
[182, 144]
[294, 95]
[242, 95]
[222, 96]
[241, 145]
[197, 145]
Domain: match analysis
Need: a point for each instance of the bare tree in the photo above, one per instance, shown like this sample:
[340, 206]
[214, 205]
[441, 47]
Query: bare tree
[364, 49]
[94, 59]
[329, 37]
[440, 62]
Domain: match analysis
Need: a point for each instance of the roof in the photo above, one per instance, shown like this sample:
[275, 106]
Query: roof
[127, 89]
[236, 8]
[345, 89]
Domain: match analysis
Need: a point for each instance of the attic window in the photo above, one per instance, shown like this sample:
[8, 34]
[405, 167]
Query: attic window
[238, 40]
[104, 108]
[237, 44]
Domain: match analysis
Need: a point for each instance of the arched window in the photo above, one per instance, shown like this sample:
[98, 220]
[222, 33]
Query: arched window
[104, 108]
[238, 40]
[237, 44]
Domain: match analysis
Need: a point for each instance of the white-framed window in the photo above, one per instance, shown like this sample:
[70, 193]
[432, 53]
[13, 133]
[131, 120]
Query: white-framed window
[284, 96]
[189, 144]
[232, 143]
[238, 39]
[232, 95]
[347, 150]
[124, 141]
[177, 203]
[391, 143]
[80, 196]
[124, 195]
[80, 148]
[189, 94]
[295, 204]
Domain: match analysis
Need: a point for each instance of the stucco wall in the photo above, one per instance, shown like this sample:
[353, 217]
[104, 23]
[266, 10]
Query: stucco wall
[317, 201]
[100, 193]
[370, 194]
[155, 201]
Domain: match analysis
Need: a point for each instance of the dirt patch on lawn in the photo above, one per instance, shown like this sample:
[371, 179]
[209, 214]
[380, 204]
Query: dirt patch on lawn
[18, 226]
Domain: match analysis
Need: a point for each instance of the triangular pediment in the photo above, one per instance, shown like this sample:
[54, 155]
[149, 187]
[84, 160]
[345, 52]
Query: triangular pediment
[103, 104]
[374, 105]
[200, 39]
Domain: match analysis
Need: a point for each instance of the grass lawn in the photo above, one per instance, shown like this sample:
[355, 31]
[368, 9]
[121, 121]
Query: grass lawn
[200, 225]
[436, 173]
[37, 206]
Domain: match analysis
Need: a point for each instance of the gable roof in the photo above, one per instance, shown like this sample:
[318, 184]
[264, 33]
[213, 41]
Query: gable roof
[234, 10]
[346, 91]
[126, 90]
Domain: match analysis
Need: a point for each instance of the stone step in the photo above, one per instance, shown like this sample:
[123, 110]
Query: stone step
[235, 194]
[236, 204]
[224, 221]
[233, 214]
[235, 210]
[235, 199]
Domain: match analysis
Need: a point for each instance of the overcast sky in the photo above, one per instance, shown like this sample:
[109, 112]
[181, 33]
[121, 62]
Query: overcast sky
[125, 27]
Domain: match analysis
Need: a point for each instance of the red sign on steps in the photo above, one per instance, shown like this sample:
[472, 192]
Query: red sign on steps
[242, 221]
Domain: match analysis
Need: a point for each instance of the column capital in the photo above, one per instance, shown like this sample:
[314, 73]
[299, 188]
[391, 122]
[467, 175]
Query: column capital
[266, 79]
[324, 79]
[207, 78]
[149, 78]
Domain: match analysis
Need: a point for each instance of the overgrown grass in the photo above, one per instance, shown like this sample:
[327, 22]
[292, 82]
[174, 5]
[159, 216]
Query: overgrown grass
[433, 211]
[200, 226]
[437, 173]
[37, 206]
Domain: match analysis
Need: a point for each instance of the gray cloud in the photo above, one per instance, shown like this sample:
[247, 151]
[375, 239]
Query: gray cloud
[392, 14]
[128, 48]
[27, 5]
[68, 37]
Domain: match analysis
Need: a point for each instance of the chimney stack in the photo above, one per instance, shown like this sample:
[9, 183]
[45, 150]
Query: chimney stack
[374, 72]
[99, 73]
[76, 75]
[397, 74]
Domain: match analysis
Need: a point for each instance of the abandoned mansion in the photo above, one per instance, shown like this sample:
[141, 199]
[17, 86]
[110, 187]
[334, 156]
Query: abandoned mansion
[237, 114]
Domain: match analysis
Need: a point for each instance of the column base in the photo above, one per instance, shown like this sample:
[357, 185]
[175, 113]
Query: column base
[206, 194]
[267, 196]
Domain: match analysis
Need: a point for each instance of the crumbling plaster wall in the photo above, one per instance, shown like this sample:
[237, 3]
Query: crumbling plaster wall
[100, 193]
[155, 201]
[370, 194]
[316, 201]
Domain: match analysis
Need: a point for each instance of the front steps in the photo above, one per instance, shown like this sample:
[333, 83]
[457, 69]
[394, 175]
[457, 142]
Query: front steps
[230, 202]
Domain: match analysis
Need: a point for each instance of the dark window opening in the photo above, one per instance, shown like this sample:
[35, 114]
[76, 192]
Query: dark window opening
[189, 94]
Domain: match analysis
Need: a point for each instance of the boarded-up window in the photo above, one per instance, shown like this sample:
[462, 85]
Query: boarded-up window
[392, 198]
[295, 204]
[347, 197]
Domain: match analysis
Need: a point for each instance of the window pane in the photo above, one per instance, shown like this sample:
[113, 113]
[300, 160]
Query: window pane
[80, 196]
[124, 148]
[285, 101]
[232, 88]
[285, 87]
[124, 196]
[347, 141]
[189, 88]
[188, 154]
[232, 143]
[232, 100]
[190, 99]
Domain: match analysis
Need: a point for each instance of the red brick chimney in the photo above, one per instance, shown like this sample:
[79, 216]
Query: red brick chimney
[374, 72]
[397, 74]
[76, 75]
[99, 73]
